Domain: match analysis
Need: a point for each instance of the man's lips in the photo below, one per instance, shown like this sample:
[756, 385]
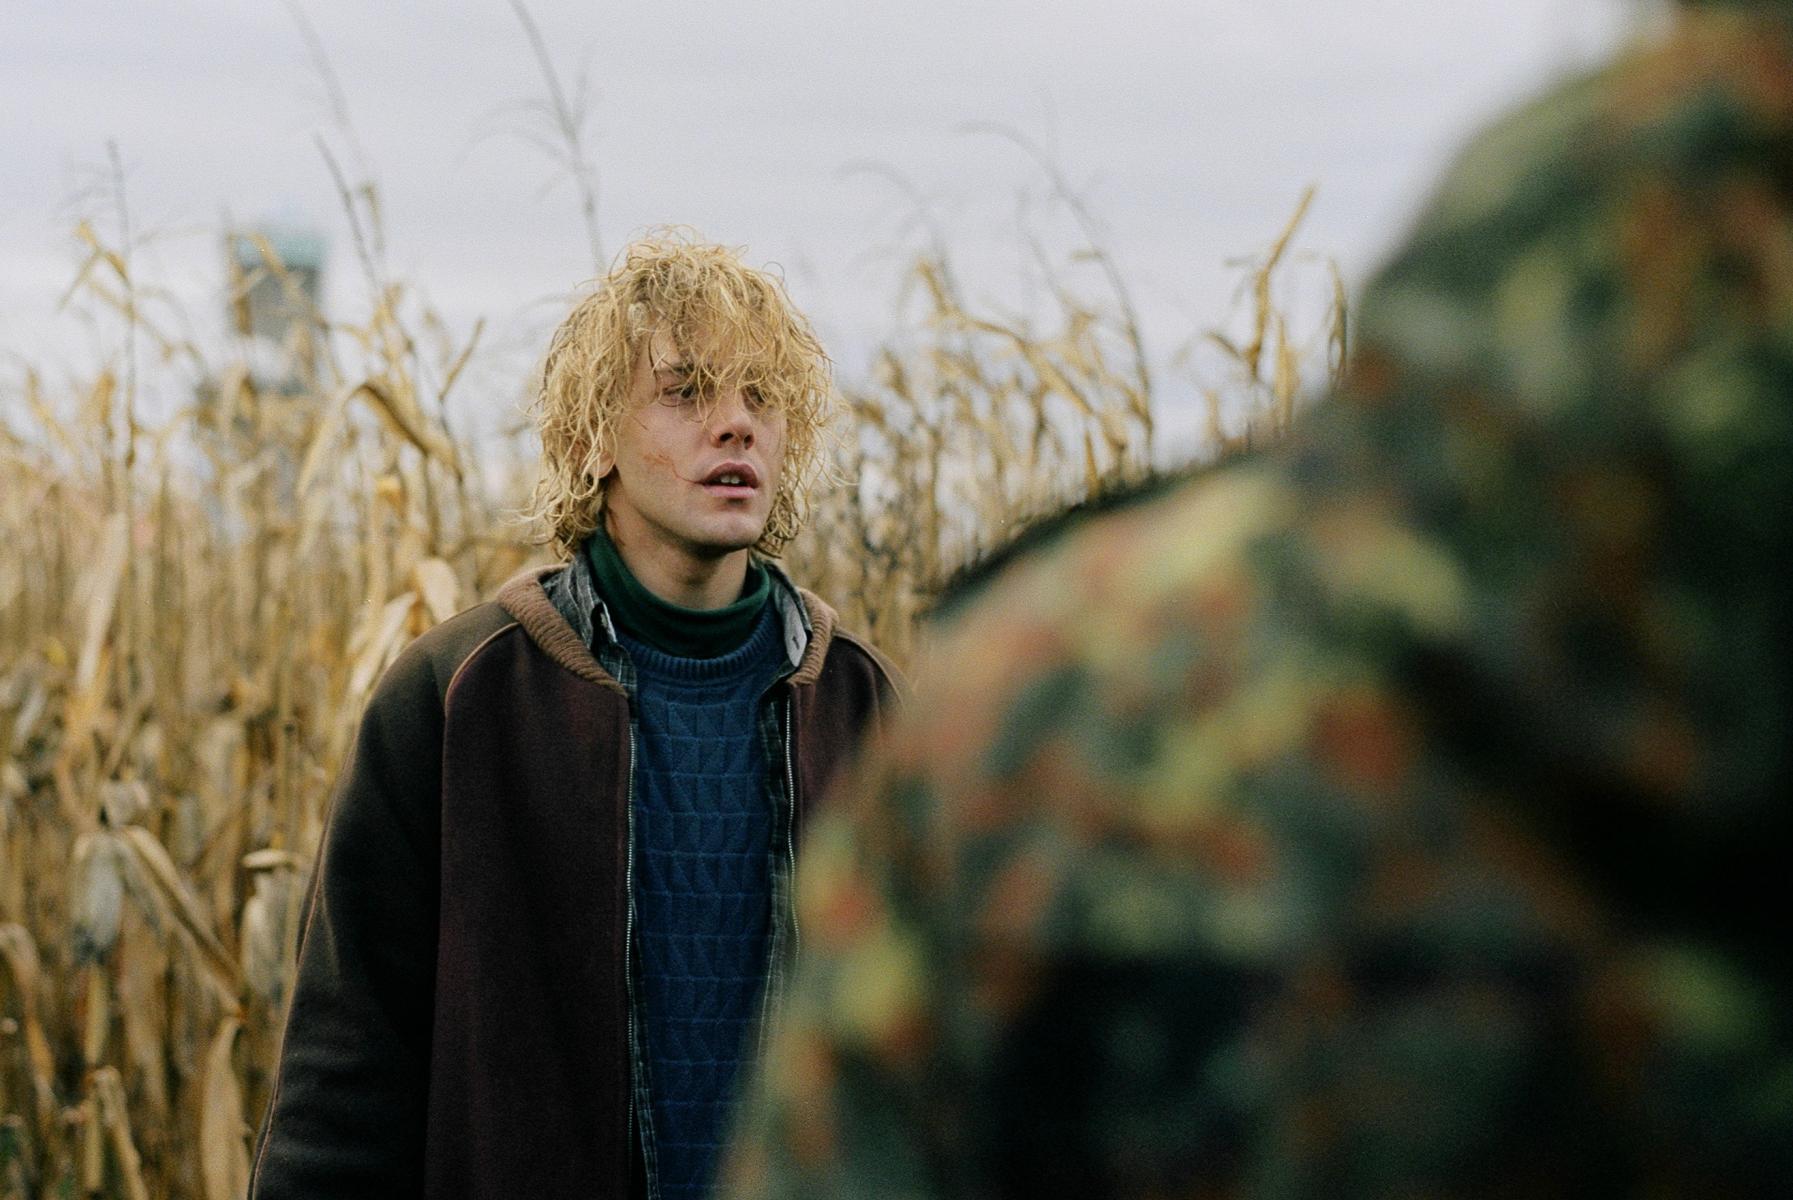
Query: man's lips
[731, 480]
[732, 474]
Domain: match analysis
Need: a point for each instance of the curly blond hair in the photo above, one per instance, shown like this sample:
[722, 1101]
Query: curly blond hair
[734, 326]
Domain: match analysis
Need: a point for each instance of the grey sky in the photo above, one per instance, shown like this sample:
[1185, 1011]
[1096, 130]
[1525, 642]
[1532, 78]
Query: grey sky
[1190, 126]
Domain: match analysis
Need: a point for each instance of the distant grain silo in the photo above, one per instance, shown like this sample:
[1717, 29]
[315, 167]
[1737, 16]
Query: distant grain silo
[274, 301]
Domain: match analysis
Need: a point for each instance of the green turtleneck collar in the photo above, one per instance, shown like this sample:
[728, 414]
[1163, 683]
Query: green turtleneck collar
[681, 632]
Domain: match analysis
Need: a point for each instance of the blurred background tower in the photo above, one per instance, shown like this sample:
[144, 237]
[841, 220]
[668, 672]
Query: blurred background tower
[255, 413]
[274, 303]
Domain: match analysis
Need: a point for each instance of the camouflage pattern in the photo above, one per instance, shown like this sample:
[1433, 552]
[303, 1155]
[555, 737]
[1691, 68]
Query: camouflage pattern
[1396, 812]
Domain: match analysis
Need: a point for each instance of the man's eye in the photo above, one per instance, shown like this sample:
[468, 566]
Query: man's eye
[683, 394]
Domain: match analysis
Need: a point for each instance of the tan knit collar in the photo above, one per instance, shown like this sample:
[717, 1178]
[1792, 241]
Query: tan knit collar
[523, 597]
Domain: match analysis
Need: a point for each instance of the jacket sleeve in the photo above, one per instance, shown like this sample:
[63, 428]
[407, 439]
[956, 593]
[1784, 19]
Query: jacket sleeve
[348, 1111]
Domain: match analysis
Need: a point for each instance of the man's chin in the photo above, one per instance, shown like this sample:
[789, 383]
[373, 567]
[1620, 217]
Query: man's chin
[721, 541]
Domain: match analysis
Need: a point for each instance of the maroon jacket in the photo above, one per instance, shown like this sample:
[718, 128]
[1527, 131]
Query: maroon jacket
[459, 1024]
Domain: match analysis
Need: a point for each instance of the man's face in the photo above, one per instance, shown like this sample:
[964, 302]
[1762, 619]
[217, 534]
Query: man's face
[688, 476]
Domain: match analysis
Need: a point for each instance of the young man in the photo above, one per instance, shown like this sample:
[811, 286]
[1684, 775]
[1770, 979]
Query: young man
[554, 896]
[1396, 812]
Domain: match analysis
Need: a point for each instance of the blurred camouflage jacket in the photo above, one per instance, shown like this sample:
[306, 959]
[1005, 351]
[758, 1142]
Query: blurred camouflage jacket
[1391, 813]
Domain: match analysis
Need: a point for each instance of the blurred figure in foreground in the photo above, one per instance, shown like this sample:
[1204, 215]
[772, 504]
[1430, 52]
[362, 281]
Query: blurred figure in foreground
[1392, 813]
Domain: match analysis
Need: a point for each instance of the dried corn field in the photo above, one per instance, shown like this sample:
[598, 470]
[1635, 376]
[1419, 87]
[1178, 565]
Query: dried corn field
[193, 611]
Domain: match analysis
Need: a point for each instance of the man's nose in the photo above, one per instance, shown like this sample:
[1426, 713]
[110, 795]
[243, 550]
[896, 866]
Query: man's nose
[730, 420]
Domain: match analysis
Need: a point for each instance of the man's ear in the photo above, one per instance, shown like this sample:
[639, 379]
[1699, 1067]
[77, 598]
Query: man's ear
[602, 463]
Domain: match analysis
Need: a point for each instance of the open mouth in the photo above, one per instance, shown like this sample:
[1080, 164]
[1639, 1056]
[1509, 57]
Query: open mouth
[732, 479]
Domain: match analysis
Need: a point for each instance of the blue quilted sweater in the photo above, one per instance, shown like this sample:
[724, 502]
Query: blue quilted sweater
[703, 833]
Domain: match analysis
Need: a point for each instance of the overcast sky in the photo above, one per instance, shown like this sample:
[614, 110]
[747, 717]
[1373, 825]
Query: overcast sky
[1189, 126]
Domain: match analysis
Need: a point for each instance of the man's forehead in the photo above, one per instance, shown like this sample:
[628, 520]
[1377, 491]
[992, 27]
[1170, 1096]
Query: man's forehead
[663, 355]
[660, 351]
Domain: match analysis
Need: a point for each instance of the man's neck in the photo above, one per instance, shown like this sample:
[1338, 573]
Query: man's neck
[677, 575]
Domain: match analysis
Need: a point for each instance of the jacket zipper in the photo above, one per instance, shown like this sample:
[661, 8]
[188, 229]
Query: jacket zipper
[636, 1125]
[790, 826]
[779, 972]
